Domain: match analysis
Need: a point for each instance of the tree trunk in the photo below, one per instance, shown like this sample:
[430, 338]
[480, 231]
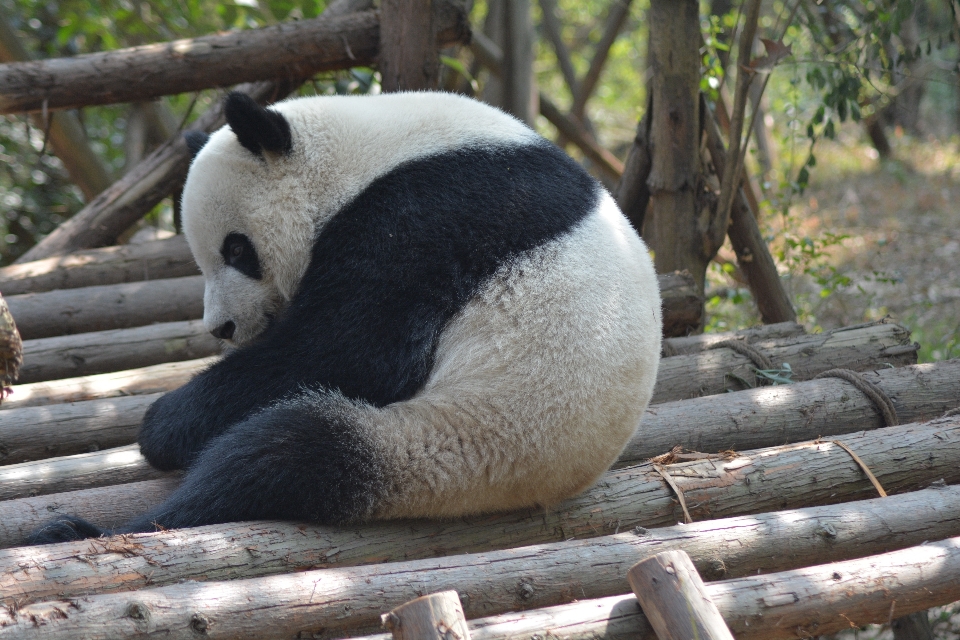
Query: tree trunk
[409, 59]
[329, 602]
[155, 260]
[800, 603]
[112, 306]
[11, 350]
[674, 136]
[633, 194]
[519, 95]
[117, 350]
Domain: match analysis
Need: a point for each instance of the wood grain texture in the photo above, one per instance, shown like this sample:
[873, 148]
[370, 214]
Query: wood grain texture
[674, 598]
[801, 603]
[112, 306]
[159, 259]
[327, 603]
[438, 616]
[295, 49]
[629, 501]
[115, 350]
[130, 382]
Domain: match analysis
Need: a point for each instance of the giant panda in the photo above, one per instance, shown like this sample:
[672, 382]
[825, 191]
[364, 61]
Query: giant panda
[434, 312]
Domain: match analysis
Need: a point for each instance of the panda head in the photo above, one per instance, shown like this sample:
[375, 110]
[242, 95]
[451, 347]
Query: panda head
[248, 217]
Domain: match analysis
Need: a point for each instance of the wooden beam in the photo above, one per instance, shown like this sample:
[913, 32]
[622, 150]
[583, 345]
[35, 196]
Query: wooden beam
[409, 59]
[112, 306]
[116, 350]
[159, 259]
[350, 600]
[438, 616]
[292, 50]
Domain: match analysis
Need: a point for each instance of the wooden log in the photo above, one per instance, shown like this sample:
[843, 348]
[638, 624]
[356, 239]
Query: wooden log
[11, 350]
[71, 473]
[116, 350]
[154, 260]
[622, 501]
[294, 49]
[717, 370]
[112, 306]
[438, 616]
[760, 417]
[330, 602]
[165, 377]
[132, 382]
[769, 416]
[408, 57]
[35, 433]
[102, 221]
[674, 598]
[802, 603]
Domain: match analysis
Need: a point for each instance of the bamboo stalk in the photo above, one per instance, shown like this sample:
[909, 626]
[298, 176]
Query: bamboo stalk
[800, 603]
[112, 306]
[115, 350]
[338, 600]
[155, 260]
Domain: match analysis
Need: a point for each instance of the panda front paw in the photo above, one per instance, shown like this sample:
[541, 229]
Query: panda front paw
[161, 435]
[65, 529]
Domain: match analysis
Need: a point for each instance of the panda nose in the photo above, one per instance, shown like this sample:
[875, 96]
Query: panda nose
[225, 331]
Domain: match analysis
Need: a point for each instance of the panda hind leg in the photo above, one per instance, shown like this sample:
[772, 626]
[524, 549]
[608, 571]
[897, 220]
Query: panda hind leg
[304, 458]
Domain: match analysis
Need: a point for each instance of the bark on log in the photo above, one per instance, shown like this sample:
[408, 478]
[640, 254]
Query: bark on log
[328, 602]
[11, 350]
[165, 377]
[155, 260]
[35, 433]
[112, 306]
[132, 382]
[104, 351]
[760, 417]
[291, 50]
[71, 473]
[674, 598]
[770, 416]
[757, 481]
[803, 603]
[135, 304]
[110, 214]
[721, 369]
[438, 616]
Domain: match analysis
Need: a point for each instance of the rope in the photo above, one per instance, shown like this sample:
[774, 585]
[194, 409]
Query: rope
[683, 503]
[880, 399]
[759, 359]
[863, 466]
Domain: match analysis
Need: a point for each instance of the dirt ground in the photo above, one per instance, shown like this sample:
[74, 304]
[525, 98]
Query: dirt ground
[883, 236]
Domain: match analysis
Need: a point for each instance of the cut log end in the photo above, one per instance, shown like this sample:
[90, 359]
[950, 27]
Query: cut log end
[11, 350]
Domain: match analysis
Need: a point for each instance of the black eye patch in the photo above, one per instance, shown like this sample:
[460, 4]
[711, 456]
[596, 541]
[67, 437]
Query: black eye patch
[238, 252]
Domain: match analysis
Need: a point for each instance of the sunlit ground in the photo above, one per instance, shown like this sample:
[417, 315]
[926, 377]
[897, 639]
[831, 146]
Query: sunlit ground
[902, 222]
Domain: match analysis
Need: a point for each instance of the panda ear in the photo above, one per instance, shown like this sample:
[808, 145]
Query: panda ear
[195, 141]
[256, 128]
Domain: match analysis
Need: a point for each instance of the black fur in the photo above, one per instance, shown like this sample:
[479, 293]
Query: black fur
[386, 275]
[238, 252]
[257, 129]
[195, 140]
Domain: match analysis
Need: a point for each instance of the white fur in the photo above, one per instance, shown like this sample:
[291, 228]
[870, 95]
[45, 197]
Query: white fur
[340, 145]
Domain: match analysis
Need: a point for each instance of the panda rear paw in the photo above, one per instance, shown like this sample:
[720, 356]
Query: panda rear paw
[65, 529]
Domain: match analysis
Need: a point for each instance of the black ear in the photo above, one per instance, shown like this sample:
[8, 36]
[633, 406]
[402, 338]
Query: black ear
[195, 141]
[257, 129]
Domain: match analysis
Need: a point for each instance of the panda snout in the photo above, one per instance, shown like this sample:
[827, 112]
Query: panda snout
[225, 331]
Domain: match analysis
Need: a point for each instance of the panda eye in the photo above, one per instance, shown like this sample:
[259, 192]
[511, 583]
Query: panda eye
[238, 252]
